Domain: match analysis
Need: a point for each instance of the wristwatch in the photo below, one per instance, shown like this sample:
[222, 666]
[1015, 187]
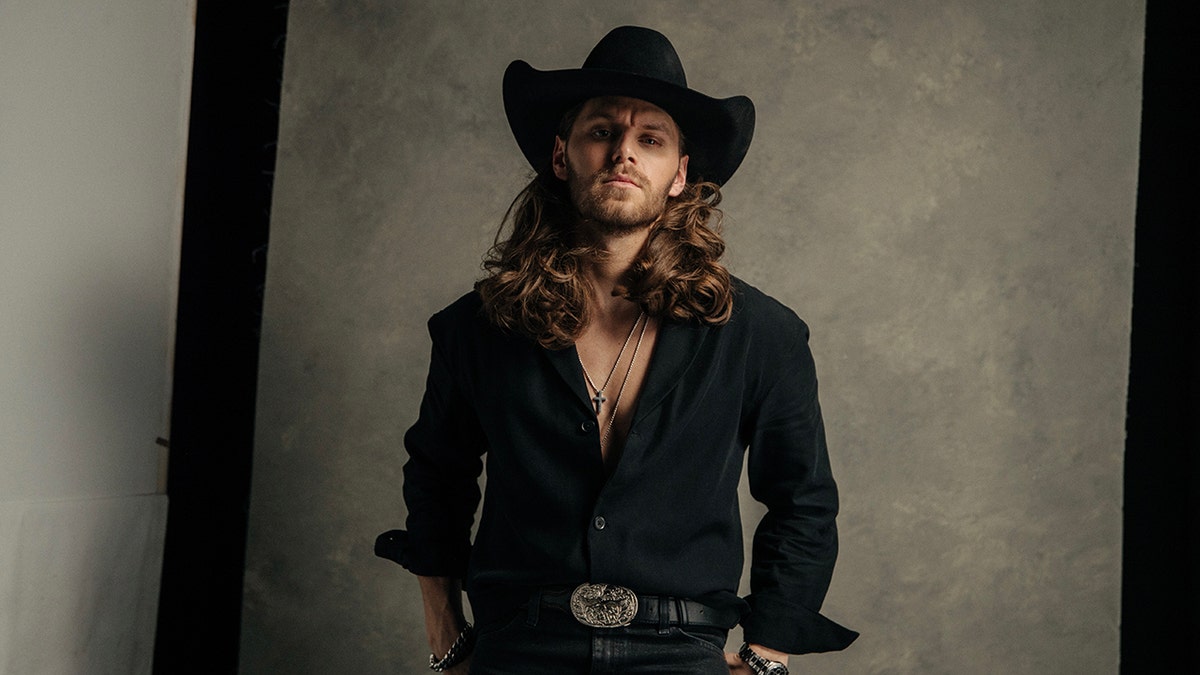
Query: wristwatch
[758, 664]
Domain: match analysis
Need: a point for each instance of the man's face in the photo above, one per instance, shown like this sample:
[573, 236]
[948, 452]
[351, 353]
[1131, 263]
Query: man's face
[621, 161]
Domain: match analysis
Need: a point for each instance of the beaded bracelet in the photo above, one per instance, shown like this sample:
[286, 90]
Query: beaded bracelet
[458, 651]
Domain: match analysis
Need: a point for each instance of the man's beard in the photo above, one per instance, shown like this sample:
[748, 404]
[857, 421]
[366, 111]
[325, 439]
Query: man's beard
[616, 210]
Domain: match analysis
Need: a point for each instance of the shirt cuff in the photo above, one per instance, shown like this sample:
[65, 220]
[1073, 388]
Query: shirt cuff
[422, 560]
[793, 629]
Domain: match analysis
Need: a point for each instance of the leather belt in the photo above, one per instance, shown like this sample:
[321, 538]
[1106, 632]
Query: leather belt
[610, 606]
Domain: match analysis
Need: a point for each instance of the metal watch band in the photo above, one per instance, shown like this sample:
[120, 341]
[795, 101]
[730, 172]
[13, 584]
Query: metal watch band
[458, 651]
[758, 664]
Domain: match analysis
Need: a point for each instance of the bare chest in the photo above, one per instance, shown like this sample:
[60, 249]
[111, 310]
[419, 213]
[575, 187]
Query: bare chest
[614, 369]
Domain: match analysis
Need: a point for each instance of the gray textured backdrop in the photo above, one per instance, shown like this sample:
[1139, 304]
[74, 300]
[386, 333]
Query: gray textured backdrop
[944, 190]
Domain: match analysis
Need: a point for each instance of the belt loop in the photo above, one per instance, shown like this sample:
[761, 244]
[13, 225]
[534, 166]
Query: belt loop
[681, 612]
[664, 615]
[535, 606]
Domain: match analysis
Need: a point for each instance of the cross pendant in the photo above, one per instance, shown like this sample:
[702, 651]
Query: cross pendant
[599, 400]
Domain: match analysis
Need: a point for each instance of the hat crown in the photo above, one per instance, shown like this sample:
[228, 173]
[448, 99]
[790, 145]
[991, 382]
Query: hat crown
[638, 51]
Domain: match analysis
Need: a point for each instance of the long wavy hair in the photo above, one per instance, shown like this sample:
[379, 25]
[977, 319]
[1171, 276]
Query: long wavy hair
[535, 284]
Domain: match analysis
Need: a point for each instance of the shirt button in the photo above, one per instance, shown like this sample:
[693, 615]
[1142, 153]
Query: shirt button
[587, 426]
[599, 523]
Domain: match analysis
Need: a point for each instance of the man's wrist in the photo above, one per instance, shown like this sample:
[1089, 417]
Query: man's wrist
[443, 634]
[763, 661]
[459, 650]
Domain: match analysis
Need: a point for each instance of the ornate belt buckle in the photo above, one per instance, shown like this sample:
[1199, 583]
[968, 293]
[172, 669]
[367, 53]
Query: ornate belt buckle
[603, 605]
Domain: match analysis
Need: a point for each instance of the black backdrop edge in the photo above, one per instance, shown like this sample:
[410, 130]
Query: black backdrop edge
[1160, 589]
[232, 134]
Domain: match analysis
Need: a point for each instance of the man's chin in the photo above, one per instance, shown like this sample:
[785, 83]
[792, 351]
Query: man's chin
[621, 221]
[631, 213]
[617, 210]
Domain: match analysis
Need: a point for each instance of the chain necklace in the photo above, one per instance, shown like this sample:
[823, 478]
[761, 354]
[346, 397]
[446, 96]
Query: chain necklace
[598, 399]
[617, 404]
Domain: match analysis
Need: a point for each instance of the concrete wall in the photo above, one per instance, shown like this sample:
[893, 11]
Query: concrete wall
[944, 190]
[93, 116]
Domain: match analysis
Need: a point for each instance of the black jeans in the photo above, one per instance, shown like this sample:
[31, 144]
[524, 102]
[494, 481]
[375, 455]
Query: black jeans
[554, 643]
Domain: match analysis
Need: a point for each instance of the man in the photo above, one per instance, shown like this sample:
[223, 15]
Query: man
[614, 373]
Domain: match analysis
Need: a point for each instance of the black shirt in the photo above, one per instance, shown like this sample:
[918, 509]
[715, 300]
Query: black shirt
[666, 521]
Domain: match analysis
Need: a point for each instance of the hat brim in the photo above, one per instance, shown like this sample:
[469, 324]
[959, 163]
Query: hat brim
[718, 131]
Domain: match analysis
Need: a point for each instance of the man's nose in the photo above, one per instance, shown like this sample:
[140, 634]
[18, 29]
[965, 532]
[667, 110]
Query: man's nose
[625, 148]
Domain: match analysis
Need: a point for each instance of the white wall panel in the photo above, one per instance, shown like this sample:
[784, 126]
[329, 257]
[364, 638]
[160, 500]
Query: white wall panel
[93, 138]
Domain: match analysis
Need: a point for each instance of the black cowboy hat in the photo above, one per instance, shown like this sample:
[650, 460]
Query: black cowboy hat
[639, 63]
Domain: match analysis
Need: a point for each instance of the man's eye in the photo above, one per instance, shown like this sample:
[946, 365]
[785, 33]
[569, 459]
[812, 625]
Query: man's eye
[601, 133]
[651, 141]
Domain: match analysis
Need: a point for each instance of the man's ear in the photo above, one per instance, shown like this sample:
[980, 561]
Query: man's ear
[680, 178]
[558, 159]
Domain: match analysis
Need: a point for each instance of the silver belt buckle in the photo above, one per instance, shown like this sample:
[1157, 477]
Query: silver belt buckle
[604, 605]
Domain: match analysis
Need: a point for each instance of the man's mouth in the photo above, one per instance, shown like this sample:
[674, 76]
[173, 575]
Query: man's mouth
[622, 180]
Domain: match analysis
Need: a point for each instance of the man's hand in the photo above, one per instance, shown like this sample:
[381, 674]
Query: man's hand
[738, 667]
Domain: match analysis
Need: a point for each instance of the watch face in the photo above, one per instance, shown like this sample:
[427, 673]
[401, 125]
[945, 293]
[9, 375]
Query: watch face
[777, 669]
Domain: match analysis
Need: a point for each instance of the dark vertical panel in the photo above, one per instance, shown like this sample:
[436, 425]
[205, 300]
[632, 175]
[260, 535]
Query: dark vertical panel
[1161, 573]
[231, 158]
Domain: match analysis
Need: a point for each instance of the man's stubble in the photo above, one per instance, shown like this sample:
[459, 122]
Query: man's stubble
[615, 210]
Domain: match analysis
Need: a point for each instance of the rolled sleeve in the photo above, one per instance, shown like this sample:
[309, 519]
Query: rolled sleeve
[441, 476]
[795, 544]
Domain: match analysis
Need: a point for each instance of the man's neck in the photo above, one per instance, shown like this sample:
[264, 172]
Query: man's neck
[610, 270]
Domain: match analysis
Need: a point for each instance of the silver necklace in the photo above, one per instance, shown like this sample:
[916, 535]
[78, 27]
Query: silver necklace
[617, 404]
[598, 399]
